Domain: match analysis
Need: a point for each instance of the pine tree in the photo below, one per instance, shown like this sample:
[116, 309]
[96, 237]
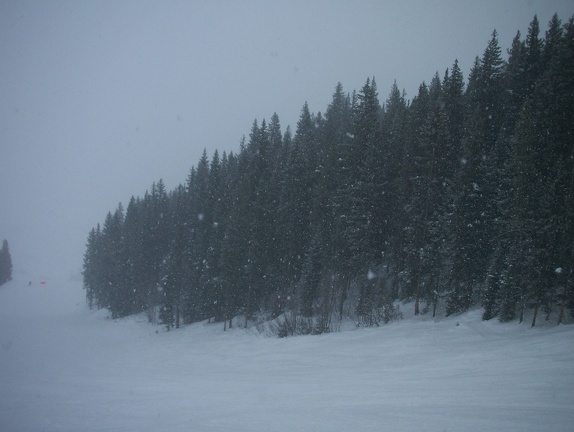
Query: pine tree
[5, 263]
[135, 270]
[454, 105]
[329, 230]
[199, 225]
[553, 40]
[397, 163]
[366, 218]
[261, 250]
[293, 221]
[111, 269]
[173, 270]
[88, 269]
[533, 53]
[474, 201]
[430, 153]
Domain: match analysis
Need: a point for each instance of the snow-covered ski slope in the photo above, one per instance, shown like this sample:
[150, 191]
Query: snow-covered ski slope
[64, 368]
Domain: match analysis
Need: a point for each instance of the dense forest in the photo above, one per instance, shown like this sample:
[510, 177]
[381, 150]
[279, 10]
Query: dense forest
[462, 196]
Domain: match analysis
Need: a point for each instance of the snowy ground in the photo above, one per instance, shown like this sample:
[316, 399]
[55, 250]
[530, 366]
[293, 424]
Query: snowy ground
[63, 368]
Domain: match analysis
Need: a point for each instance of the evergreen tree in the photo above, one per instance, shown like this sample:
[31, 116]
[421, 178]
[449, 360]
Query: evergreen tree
[475, 191]
[533, 53]
[295, 203]
[228, 275]
[155, 243]
[173, 275]
[553, 40]
[330, 231]
[111, 270]
[135, 270]
[199, 228]
[93, 280]
[454, 105]
[5, 263]
[365, 220]
[396, 163]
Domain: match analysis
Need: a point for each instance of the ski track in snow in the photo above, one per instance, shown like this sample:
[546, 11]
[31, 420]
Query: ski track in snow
[65, 368]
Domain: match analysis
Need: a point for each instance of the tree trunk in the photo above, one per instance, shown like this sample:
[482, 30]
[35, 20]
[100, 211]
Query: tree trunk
[417, 295]
[346, 285]
[535, 315]
[417, 292]
[521, 316]
[248, 306]
[560, 313]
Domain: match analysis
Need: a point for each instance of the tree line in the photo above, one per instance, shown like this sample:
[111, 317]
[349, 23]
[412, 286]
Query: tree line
[462, 196]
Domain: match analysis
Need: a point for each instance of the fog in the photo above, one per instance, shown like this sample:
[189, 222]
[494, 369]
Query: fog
[100, 99]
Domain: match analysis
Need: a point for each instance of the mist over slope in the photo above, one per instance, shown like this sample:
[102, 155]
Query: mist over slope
[65, 368]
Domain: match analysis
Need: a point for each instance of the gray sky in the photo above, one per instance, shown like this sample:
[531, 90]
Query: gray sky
[100, 98]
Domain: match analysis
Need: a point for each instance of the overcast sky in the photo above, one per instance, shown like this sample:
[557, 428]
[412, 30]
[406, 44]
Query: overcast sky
[98, 99]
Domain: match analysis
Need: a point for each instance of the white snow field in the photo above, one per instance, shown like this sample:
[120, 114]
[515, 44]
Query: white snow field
[65, 368]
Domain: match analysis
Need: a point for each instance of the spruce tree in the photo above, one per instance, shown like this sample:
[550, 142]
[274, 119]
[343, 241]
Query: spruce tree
[397, 162]
[473, 231]
[366, 218]
[111, 272]
[335, 138]
[5, 263]
[135, 255]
